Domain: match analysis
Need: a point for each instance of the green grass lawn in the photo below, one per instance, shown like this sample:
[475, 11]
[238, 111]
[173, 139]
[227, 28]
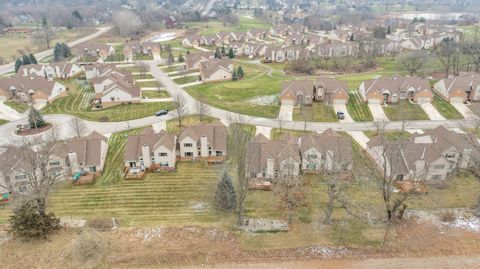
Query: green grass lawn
[389, 135]
[172, 125]
[186, 79]
[357, 109]
[405, 111]
[212, 27]
[18, 106]
[276, 133]
[143, 76]
[2, 121]
[448, 111]
[131, 69]
[168, 69]
[318, 111]
[77, 103]
[141, 57]
[236, 95]
[155, 94]
[148, 84]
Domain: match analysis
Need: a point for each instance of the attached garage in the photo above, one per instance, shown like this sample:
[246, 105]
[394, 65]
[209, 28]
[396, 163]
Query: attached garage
[288, 101]
[456, 99]
[339, 101]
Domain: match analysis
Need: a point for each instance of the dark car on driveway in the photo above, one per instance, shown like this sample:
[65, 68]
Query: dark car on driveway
[340, 115]
[161, 112]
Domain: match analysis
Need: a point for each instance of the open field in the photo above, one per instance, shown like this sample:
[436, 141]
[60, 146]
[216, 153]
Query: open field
[13, 45]
[155, 94]
[405, 111]
[446, 109]
[213, 27]
[77, 103]
[318, 111]
[276, 133]
[18, 106]
[2, 121]
[357, 109]
[237, 95]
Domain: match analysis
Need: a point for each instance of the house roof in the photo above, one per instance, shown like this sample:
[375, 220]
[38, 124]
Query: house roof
[329, 141]
[211, 66]
[27, 83]
[216, 134]
[88, 149]
[133, 148]
[192, 58]
[295, 87]
[396, 84]
[331, 85]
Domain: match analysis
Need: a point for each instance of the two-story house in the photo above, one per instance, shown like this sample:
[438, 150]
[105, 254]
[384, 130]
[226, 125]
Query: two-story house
[203, 142]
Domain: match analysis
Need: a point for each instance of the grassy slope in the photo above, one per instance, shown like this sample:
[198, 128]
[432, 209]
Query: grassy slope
[18, 106]
[357, 109]
[155, 94]
[213, 27]
[405, 111]
[2, 121]
[318, 111]
[446, 109]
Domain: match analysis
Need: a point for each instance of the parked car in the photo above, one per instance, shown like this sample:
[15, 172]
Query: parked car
[161, 112]
[340, 115]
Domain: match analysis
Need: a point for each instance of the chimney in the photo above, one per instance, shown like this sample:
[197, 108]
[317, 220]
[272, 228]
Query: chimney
[204, 146]
[73, 160]
[146, 155]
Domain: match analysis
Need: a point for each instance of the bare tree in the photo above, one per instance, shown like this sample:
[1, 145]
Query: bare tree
[291, 192]
[413, 62]
[447, 52]
[281, 122]
[239, 138]
[143, 68]
[79, 127]
[181, 107]
[202, 109]
[126, 22]
[44, 34]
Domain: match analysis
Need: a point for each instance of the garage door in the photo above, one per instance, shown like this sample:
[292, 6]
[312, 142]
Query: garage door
[288, 102]
[456, 100]
[374, 101]
[339, 101]
[422, 100]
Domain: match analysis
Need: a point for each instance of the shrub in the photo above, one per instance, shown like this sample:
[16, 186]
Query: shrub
[301, 67]
[104, 119]
[28, 223]
[87, 248]
[225, 196]
[447, 216]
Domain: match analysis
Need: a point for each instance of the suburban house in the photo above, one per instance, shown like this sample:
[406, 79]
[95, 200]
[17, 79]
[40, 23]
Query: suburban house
[33, 88]
[275, 54]
[431, 156]
[193, 60]
[336, 50]
[330, 90]
[418, 42]
[256, 33]
[96, 50]
[326, 152]
[391, 90]
[297, 53]
[112, 86]
[216, 70]
[203, 142]
[61, 70]
[297, 92]
[85, 155]
[305, 92]
[14, 175]
[268, 159]
[461, 89]
[191, 41]
[150, 150]
[134, 48]
[254, 50]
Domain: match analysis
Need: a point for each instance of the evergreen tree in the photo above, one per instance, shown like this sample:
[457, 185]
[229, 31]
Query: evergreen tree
[65, 49]
[180, 58]
[57, 52]
[170, 59]
[225, 196]
[352, 38]
[234, 75]
[224, 53]
[389, 30]
[231, 55]
[35, 119]
[25, 60]
[217, 54]
[32, 59]
[240, 72]
[18, 63]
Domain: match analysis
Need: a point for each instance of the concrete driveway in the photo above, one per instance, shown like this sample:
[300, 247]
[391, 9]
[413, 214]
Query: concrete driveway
[8, 113]
[465, 111]
[343, 108]
[286, 112]
[377, 112]
[431, 112]
[360, 138]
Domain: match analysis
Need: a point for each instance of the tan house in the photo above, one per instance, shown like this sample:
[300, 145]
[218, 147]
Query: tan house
[461, 89]
[256, 33]
[268, 159]
[391, 90]
[193, 60]
[330, 90]
[96, 50]
[134, 48]
[203, 142]
[297, 92]
[216, 70]
[50, 71]
[431, 156]
[326, 152]
[149, 150]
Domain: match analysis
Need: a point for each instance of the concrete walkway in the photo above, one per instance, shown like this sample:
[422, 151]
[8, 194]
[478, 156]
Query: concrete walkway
[377, 112]
[465, 111]
[431, 112]
[187, 75]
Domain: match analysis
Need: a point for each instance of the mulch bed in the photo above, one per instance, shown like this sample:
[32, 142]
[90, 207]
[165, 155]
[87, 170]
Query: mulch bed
[32, 131]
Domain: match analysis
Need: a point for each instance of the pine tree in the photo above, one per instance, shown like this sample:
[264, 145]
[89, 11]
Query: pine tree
[32, 59]
[240, 72]
[57, 52]
[231, 55]
[389, 30]
[18, 63]
[352, 38]
[217, 54]
[180, 58]
[25, 60]
[225, 196]
[170, 59]
[234, 75]
[224, 53]
[65, 49]
[35, 119]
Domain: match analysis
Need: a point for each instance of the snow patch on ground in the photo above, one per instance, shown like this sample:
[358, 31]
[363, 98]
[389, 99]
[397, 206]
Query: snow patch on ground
[462, 218]
[265, 100]
[323, 251]
[149, 234]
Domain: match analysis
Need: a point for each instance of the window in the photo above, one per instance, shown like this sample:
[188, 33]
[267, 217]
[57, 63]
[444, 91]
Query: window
[55, 163]
[439, 166]
[311, 156]
[399, 177]
[112, 98]
[188, 145]
[209, 153]
[20, 177]
[162, 154]
[164, 164]
[450, 155]
[188, 154]
[218, 153]
[253, 175]
[92, 169]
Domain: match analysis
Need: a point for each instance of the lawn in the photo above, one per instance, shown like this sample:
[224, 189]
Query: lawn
[2, 121]
[18, 106]
[77, 103]
[318, 111]
[155, 94]
[168, 69]
[357, 109]
[448, 111]
[276, 133]
[172, 125]
[405, 111]
[131, 69]
[143, 76]
[118, 56]
[237, 95]
[389, 135]
[212, 27]
[186, 79]
[148, 84]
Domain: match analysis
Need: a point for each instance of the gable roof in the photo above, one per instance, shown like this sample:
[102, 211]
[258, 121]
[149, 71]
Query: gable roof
[133, 148]
[88, 149]
[211, 66]
[216, 134]
[295, 87]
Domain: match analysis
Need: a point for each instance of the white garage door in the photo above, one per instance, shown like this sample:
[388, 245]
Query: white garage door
[374, 101]
[288, 102]
[422, 100]
[339, 101]
[456, 100]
